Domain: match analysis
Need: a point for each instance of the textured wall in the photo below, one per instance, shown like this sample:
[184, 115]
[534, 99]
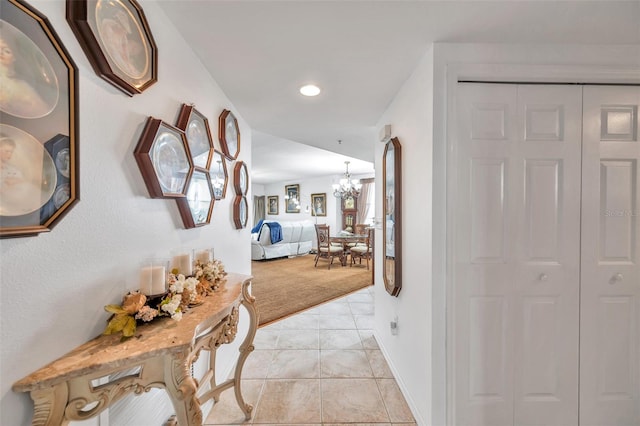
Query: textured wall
[54, 286]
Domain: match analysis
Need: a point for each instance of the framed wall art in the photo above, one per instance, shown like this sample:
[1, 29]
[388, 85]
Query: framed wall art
[229, 134]
[117, 40]
[272, 204]
[219, 175]
[319, 204]
[240, 211]
[196, 208]
[39, 180]
[196, 128]
[292, 198]
[164, 159]
[240, 178]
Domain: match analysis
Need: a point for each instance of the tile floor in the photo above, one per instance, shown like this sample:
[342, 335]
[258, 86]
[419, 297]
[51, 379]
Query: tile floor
[320, 367]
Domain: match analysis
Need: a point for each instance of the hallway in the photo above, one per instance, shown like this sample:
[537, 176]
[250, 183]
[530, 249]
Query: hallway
[320, 367]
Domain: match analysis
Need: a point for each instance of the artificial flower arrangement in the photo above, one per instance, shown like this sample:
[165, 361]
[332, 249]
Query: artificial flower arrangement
[183, 292]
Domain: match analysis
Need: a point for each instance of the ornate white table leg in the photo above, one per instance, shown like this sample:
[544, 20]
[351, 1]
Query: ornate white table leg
[246, 347]
[182, 390]
[49, 405]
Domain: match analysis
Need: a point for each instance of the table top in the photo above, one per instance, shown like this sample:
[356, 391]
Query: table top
[347, 238]
[160, 337]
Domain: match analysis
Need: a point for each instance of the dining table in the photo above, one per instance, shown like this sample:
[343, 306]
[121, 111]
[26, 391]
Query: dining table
[346, 241]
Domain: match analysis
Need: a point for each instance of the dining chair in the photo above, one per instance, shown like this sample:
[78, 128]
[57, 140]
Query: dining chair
[364, 251]
[325, 249]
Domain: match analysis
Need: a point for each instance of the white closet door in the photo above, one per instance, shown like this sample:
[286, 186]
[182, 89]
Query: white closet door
[547, 280]
[610, 293]
[516, 248]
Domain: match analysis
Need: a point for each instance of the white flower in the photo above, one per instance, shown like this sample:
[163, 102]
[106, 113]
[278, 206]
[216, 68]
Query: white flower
[177, 316]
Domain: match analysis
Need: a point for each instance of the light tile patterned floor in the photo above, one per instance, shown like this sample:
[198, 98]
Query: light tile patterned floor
[320, 367]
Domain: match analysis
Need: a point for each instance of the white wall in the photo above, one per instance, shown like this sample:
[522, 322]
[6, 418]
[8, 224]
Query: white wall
[410, 116]
[419, 115]
[54, 286]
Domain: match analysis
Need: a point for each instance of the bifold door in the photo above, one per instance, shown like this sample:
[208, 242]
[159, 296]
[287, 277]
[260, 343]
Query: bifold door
[518, 315]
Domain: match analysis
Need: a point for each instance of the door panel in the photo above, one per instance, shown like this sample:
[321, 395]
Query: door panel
[547, 319]
[610, 287]
[517, 254]
[484, 336]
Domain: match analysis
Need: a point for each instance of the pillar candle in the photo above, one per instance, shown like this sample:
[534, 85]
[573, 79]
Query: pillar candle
[182, 263]
[158, 284]
[203, 256]
[146, 280]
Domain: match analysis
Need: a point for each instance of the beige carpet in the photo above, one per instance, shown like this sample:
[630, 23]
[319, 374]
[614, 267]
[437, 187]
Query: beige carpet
[285, 286]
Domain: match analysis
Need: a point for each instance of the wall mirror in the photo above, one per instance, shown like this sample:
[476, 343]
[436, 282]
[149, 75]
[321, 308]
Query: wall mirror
[392, 224]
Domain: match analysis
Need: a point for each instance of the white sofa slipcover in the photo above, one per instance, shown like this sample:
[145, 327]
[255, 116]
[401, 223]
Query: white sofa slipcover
[297, 238]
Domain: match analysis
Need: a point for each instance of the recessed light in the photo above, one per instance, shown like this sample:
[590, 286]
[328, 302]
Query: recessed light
[310, 90]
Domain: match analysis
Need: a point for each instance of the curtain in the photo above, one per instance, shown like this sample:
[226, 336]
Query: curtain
[368, 186]
[258, 209]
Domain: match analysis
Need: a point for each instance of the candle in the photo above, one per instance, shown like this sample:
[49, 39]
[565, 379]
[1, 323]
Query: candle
[203, 256]
[182, 263]
[152, 280]
[158, 281]
[145, 280]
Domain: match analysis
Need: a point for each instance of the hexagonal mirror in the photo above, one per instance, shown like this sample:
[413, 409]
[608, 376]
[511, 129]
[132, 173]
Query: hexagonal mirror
[196, 208]
[164, 160]
[240, 211]
[229, 134]
[196, 128]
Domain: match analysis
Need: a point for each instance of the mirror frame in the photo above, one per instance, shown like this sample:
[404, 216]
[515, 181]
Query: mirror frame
[392, 278]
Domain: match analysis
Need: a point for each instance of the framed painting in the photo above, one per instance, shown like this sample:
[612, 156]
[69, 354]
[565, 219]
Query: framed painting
[39, 180]
[272, 204]
[229, 134]
[117, 40]
[292, 199]
[164, 159]
[319, 204]
[196, 127]
[196, 208]
[219, 175]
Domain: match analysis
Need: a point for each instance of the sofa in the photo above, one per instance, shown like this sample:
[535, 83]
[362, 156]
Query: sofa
[298, 238]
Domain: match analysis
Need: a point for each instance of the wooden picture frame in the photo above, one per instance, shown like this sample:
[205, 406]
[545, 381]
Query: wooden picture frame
[240, 178]
[164, 159]
[273, 204]
[292, 198]
[196, 128]
[38, 128]
[219, 175]
[197, 206]
[117, 40]
[240, 211]
[319, 204]
[229, 134]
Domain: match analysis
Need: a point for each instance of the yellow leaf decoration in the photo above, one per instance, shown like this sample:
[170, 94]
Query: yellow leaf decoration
[118, 323]
[130, 327]
[115, 309]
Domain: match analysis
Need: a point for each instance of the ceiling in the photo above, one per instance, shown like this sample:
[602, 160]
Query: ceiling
[359, 52]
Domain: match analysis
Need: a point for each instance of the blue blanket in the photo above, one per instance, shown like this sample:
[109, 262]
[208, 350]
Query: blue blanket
[276, 231]
[257, 227]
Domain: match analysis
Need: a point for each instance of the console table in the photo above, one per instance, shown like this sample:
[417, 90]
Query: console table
[81, 384]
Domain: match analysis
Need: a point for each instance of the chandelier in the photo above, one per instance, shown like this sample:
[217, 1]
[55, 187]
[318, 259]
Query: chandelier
[347, 187]
[218, 181]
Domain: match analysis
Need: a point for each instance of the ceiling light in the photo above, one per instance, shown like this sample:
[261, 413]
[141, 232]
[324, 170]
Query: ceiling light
[347, 187]
[310, 90]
